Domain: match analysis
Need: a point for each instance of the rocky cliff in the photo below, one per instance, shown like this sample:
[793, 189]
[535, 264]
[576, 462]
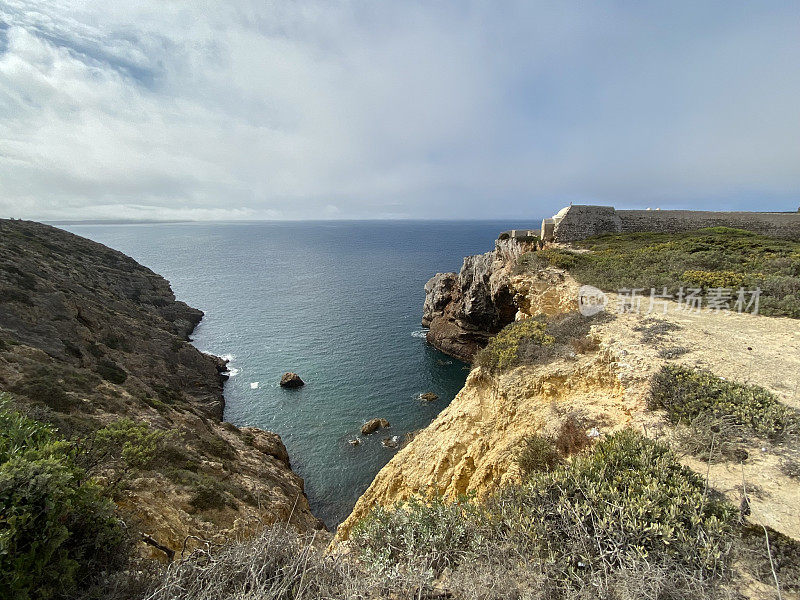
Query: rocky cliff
[471, 447]
[87, 337]
[463, 310]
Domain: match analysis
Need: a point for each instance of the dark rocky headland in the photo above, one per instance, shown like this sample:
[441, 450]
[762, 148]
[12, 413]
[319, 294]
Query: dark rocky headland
[89, 337]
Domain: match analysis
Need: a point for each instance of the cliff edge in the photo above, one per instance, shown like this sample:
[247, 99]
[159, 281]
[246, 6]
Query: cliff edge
[88, 337]
[473, 445]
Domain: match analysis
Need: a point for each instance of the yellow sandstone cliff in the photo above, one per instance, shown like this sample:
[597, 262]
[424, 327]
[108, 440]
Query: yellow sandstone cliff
[472, 445]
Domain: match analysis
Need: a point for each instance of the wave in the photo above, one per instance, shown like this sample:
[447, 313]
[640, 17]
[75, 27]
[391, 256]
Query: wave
[421, 333]
[228, 357]
[232, 372]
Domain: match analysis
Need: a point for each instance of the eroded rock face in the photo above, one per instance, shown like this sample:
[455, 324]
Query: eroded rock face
[268, 443]
[462, 311]
[106, 339]
[438, 294]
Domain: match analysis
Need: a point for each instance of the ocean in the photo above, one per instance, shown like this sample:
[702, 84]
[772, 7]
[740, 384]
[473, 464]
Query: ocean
[337, 302]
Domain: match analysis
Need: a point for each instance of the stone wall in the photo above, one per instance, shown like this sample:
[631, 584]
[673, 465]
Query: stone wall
[579, 222]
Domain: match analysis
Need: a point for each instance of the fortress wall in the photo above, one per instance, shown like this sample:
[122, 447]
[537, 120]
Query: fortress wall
[785, 225]
[580, 222]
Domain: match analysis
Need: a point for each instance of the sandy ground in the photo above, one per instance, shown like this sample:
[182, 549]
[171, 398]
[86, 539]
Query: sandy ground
[744, 348]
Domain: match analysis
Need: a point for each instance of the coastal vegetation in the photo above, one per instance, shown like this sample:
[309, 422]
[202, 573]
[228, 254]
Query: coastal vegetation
[622, 520]
[686, 394]
[537, 340]
[59, 531]
[716, 257]
[716, 418]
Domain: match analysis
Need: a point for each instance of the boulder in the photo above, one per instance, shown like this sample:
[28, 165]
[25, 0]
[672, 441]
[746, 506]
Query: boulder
[291, 380]
[428, 397]
[373, 425]
[266, 442]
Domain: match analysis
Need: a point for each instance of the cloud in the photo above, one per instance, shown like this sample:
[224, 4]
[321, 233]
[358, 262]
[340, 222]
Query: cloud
[356, 109]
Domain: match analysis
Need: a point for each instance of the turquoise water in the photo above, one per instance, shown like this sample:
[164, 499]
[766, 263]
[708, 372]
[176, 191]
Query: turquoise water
[339, 303]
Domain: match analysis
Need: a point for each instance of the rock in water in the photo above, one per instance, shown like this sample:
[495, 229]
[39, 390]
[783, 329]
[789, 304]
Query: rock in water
[428, 397]
[373, 425]
[291, 380]
[390, 442]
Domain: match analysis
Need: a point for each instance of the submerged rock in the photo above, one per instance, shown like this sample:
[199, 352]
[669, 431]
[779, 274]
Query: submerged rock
[390, 442]
[373, 425]
[291, 380]
[428, 397]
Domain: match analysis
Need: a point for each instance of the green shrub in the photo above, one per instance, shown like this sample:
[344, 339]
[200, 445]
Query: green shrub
[19, 433]
[628, 505]
[628, 501]
[687, 394]
[543, 454]
[502, 352]
[432, 534]
[548, 257]
[207, 492]
[136, 444]
[208, 495]
[57, 530]
[537, 340]
[717, 279]
[538, 454]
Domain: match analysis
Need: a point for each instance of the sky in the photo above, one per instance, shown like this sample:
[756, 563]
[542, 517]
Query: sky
[168, 109]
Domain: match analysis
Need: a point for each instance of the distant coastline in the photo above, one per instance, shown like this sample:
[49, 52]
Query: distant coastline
[116, 222]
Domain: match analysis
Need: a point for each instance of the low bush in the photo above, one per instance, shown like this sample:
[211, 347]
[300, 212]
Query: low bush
[537, 340]
[277, 565]
[541, 453]
[431, 534]
[571, 437]
[687, 394]
[627, 502]
[504, 349]
[541, 259]
[785, 553]
[538, 453]
[207, 492]
[627, 506]
[58, 532]
[717, 279]
[135, 444]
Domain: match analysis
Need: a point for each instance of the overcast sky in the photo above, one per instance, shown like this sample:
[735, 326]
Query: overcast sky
[302, 109]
